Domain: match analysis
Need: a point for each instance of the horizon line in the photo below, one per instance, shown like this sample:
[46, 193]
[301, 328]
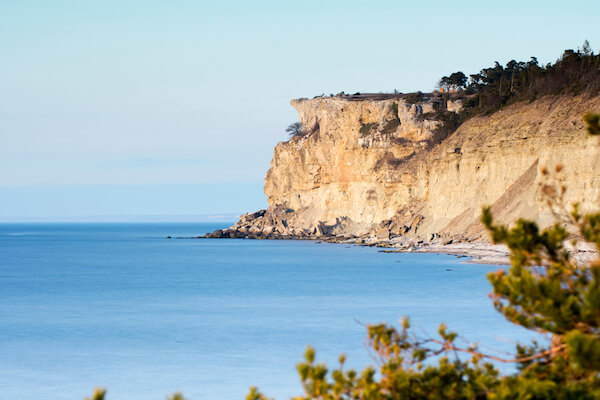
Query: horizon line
[221, 217]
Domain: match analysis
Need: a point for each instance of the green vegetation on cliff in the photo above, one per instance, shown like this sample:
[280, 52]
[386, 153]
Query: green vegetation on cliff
[575, 72]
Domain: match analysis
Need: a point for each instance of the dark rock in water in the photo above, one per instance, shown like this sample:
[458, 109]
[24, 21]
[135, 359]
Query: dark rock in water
[168, 237]
[448, 269]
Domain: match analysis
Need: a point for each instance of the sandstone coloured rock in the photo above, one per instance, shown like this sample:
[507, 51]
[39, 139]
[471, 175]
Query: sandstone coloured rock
[374, 167]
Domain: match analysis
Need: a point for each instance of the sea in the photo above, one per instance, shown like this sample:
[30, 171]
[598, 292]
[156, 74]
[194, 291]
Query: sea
[123, 307]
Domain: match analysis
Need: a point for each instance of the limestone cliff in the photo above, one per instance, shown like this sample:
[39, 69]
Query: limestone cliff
[372, 166]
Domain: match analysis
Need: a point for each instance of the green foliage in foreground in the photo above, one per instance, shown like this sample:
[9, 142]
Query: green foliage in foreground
[544, 291]
[98, 394]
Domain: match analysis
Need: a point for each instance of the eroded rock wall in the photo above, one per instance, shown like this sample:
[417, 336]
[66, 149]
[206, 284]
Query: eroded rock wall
[496, 160]
[375, 167]
[351, 161]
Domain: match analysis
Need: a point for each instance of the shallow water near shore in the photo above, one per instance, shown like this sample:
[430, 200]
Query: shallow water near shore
[120, 306]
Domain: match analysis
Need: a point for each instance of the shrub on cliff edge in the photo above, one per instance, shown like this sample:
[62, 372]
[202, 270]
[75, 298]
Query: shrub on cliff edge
[295, 129]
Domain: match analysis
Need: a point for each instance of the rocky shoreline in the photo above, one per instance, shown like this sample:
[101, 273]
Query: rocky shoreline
[272, 224]
[283, 223]
[476, 252]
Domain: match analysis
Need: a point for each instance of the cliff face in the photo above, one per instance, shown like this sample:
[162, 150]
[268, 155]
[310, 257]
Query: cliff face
[352, 162]
[375, 167]
[497, 160]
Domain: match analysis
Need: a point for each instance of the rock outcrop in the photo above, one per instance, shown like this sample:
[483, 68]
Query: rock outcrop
[379, 168]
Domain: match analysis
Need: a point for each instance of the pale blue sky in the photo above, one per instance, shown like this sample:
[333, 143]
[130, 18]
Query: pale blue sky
[174, 107]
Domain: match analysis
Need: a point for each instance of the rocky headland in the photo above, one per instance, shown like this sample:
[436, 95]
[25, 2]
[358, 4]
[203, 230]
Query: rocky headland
[378, 170]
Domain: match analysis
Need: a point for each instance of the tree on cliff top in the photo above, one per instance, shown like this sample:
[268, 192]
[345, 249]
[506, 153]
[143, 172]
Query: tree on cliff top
[544, 291]
[455, 81]
[575, 72]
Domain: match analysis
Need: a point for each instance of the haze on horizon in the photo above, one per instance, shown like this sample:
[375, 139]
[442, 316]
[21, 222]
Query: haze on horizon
[131, 108]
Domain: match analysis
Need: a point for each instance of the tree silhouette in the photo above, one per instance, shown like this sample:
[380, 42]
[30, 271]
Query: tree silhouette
[587, 49]
[295, 129]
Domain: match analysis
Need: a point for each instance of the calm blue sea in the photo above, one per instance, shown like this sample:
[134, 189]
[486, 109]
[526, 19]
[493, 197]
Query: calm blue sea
[120, 306]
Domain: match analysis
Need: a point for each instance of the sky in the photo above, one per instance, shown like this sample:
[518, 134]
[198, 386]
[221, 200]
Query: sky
[121, 109]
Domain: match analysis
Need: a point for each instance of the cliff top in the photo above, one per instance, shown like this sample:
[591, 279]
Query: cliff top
[575, 72]
[414, 96]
